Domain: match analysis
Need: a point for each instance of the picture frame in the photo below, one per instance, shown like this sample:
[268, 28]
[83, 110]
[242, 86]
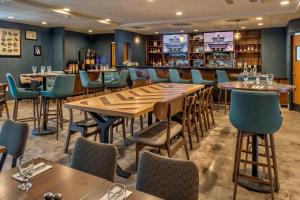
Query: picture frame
[30, 35]
[37, 50]
[10, 42]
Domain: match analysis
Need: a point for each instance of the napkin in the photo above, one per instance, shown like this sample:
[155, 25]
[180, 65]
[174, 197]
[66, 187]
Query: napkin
[37, 169]
[105, 197]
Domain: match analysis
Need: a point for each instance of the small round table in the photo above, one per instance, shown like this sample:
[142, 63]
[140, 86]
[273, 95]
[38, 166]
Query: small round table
[263, 87]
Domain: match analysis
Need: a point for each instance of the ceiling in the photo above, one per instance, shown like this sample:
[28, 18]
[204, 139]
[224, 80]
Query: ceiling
[152, 15]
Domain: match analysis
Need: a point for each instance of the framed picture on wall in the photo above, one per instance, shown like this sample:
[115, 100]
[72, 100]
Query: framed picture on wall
[10, 43]
[37, 50]
[30, 35]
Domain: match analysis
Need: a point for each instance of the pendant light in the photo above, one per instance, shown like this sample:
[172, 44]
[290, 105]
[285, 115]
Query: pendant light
[237, 35]
[181, 37]
[137, 39]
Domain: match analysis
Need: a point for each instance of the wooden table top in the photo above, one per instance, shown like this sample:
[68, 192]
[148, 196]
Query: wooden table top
[40, 75]
[71, 183]
[134, 102]
[2, 149]
[263, 86]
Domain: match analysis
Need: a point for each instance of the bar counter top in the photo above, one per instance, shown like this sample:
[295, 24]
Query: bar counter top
[184, 68]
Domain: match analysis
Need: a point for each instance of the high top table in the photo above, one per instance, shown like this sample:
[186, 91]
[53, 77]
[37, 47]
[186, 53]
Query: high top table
[262, 87]
[106, 109]
[71, 183]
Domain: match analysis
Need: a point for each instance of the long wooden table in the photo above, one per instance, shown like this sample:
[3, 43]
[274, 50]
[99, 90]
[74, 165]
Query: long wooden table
[106, 109]
[71, 183]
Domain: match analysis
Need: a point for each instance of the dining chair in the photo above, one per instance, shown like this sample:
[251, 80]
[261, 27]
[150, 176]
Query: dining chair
[162, 132]
[134, 77]
[62, 89]
[154, 78]
[20, 94]
[200, 110]
[120, 83]
[3, 100]
[87, 83]
[175, 77]
[197, 78]
[222, 77]
[208, 106]
[13, 136]
[256, 115]
[167, 178]
[95, 158]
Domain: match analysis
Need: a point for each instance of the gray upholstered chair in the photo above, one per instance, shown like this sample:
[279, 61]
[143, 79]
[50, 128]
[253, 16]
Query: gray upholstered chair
[13, 137]
[167, 178]
[94, 158]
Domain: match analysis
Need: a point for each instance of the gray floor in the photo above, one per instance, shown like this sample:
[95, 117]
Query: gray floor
[213, 156]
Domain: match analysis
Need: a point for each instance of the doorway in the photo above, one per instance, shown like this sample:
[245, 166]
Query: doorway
[296, 68]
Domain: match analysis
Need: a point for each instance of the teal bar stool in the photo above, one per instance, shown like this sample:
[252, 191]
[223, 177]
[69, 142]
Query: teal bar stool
[222, 77]
[154, 78]
[175, 77]
[62, 89]
[134, 77]
[87, 83]
[197, 78]
[20, 94]
[256, 115]
[120, 83]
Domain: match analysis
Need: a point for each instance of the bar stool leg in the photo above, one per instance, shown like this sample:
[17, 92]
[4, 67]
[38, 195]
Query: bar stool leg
[220, 94]
[225, 102]
[6, 109]
[274, 162]
[235, 156]
[267, 149]
[34, 113]
[237, 167]
[57, 117]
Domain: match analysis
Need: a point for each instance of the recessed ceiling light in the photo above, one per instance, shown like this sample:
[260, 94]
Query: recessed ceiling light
[10, 17]
[103, 21]
[181, 31]
[179, 13]
[259, 18]
[150, 0]
[67, 9]
[260, 24]
[196, 30]
[284, 3]
[243, 27]
[90, 31]
[107, 20]
[44, 22]
[61, 11]
[156, 32]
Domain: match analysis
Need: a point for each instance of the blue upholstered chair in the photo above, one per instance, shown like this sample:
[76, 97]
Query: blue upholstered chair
[62, 89]
[120, 83]
[197, 78]
[256, 114]
[167, 178]
[221, 78]
[94, 158]
[13, 136]
[87, 83]
[20, 94]
[175, 77]
[154, 78]
[134, 77]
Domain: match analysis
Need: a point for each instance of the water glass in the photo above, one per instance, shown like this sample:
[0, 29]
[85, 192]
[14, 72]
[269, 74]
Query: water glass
[117, 191]
[49, 69]
[270, 78]
[25, 171]
[245, 77]
[34, 69]
[43, 68]
[257, 79]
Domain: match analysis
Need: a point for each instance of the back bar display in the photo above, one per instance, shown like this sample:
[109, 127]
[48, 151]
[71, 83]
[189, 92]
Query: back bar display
[218, 41]
[175, 44]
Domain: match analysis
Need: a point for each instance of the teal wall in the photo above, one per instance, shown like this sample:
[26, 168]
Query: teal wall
[57, 48]
[102, 44]
[274, 51]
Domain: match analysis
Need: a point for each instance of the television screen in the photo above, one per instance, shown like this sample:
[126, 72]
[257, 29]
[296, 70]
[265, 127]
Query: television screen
[218, 41]
[175, 44]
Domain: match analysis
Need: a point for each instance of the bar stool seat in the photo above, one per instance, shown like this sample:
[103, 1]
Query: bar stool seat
[256, 115]
[154, 78]
[175, 77]
[197, 78]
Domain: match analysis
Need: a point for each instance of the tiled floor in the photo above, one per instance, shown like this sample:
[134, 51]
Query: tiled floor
[213, 156]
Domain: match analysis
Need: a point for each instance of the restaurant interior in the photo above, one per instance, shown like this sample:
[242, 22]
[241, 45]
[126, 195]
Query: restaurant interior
[149, 99]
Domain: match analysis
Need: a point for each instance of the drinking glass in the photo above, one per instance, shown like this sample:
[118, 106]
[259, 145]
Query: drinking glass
[245, 77]
[117, 191]
[25, 171]
[34, 68]
[43, 68]
[270, 78]
[49, 69]
[257, 79]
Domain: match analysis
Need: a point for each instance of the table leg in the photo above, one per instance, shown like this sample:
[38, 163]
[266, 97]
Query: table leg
[103, 81]
[150, 120]
[104, 124]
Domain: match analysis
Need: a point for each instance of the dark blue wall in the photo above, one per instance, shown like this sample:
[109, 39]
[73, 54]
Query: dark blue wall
[23, 64]
[57, 48]
[274, 51]
[138, 51]
[102, 44]
[75, 41]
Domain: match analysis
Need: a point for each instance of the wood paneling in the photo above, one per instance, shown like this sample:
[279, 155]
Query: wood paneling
[296, 70]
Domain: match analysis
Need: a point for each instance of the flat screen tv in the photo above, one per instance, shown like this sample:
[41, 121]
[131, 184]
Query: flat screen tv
[175, 44]
[218, 41]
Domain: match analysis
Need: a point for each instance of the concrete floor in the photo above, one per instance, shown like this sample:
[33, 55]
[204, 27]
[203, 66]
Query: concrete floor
[213, 156]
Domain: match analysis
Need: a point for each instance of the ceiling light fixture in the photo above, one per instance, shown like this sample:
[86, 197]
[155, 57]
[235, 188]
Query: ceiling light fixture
[196, 30]
[181, 37]
[61, 12]
[179, 13]
[44, 22]
[260, 24]
[103, 21]
[259, 18]
[67, 9]
[156, 32]
[284, 3]
[107, 20]
[10, 17]
[90, 31]
[243, 27]
[237, 35]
